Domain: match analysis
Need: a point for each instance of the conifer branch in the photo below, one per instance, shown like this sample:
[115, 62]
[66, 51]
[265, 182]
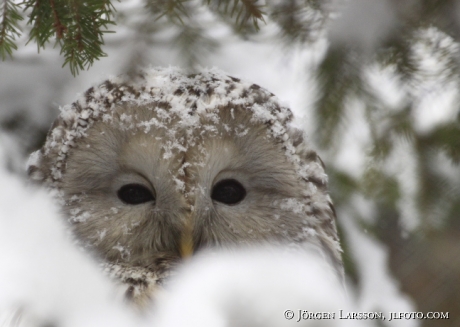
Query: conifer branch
[41, 19]
[9, 28]
[174, 10]
[298, 21]
[240, 11]
[194, 45]
[190, 37]
[59, 28]
[77, 25]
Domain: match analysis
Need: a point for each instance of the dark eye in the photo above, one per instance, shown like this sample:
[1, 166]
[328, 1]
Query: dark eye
[135, 194]
[228, 191]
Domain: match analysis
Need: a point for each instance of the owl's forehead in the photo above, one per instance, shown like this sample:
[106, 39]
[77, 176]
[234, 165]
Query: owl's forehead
[142, 133]
[167, 104]
[164, 122]
[172, 100]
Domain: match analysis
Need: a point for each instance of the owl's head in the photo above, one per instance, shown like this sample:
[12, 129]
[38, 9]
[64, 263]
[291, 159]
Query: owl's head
[168, 163]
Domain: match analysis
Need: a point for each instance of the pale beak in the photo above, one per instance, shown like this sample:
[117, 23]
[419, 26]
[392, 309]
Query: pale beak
[186, 240]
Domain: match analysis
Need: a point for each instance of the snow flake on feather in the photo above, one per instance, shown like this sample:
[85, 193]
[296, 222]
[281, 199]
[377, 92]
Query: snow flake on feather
[79, 217]
[292, 204]
[124, 251]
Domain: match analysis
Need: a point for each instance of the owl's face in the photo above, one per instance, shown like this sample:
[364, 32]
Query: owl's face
[180, 163]
[135, 192]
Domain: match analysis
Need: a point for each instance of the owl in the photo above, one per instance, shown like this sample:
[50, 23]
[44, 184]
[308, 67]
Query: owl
[153, 169]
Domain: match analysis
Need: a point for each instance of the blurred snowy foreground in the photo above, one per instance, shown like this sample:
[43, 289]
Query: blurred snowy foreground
[45, 280]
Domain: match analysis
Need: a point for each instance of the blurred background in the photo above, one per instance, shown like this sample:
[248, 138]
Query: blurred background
[375, 83]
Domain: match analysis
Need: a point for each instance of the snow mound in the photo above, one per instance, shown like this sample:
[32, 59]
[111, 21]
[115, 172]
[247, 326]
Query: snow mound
[44, 278]
[253, 287]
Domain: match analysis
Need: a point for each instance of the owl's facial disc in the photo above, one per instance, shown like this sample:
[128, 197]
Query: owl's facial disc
[176, 190]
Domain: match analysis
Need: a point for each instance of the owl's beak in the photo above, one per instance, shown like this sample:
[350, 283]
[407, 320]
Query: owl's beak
[186, 241]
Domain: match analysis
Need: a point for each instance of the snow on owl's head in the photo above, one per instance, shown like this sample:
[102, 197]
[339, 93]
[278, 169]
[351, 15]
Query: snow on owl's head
[166, 164]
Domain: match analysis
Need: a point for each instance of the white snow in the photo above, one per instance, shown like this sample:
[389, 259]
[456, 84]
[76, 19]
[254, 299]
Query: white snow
[44, 277]
[435, 90]
[253, 287]
[362, 23]
[355, 139]
[385, 84]
[371, 259]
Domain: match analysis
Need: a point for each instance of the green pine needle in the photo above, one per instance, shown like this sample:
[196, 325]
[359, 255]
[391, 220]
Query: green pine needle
[77, 25]
[9, 28]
